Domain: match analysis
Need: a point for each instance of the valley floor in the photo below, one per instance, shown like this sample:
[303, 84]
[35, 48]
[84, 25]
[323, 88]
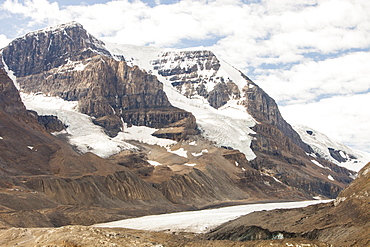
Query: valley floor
[82, 236]
[176, 229]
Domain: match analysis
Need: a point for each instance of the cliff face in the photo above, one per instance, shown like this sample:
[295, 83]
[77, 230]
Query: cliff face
[46, 49]
[68, 62]
[194, 73]
[265, 110]
[10, 100]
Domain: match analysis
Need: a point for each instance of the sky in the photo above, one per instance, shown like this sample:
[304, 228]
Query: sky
[311, 56]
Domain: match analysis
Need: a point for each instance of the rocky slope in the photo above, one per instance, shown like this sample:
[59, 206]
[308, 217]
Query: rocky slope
[343, 222]
[45, 183]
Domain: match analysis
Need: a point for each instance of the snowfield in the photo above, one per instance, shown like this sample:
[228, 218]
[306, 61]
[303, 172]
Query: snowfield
[83, 133]
[199, 221]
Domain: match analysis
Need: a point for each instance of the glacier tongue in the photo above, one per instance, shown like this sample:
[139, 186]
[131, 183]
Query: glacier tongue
[228, 126]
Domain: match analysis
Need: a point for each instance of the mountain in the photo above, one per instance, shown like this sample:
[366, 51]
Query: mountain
[140, 130]
[45, 183]
[332, 150]
[343, 222]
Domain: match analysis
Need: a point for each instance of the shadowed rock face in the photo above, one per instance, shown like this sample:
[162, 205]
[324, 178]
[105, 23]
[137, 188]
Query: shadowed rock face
[265, 110]
[10, 100]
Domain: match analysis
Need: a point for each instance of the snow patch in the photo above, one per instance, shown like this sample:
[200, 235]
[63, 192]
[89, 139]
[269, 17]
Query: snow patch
[1, 138]
[317, 163]
[71, 66]
[10, 73]
[338, 200]
[193, 143]
[186, 164]
[180, 152]
[277, 180]
[80, 67]
[154, 163]
[199, 154]
[343, 155]
[144, 134]
[30, 147]
[330, 178]
[365, 172]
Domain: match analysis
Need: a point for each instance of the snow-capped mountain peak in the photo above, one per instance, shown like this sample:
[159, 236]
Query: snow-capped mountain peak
[329, 149]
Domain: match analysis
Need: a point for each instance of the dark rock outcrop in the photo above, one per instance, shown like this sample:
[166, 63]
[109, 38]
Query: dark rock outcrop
[10, 101]
[51, 123]
[43, 50]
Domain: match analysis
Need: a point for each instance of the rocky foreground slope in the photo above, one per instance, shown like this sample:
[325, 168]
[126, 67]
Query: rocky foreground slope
[343, 222]
[228, 140]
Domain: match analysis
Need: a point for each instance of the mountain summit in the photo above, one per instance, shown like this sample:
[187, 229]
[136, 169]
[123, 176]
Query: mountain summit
[161, 130]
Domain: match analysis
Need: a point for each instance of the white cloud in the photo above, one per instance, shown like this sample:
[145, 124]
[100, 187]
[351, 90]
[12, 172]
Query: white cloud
[267, 29]
[281, 35]
[4, 41]
[310, 80]
[344, 118]
[40, 11]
